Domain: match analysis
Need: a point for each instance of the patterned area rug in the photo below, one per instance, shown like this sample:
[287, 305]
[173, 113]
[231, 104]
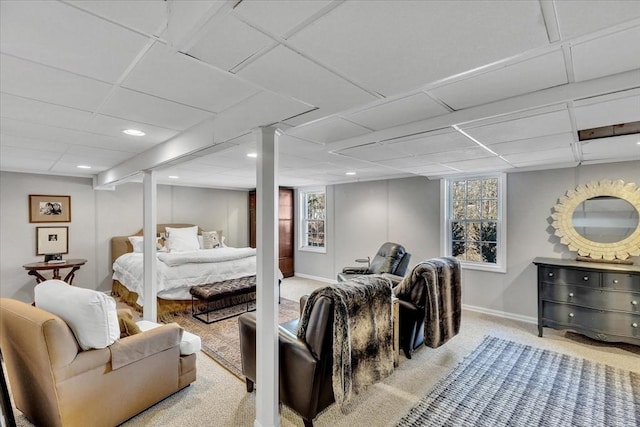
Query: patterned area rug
[502, 383]
[221, 340]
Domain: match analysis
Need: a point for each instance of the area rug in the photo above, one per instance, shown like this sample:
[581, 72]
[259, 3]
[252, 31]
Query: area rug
[221, 340]
[502, 383]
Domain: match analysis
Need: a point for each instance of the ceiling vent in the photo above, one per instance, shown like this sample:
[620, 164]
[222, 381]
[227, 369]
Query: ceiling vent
[608, 131]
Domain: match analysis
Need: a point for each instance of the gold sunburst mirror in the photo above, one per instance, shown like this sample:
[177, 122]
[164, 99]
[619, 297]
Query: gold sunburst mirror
[600, 221]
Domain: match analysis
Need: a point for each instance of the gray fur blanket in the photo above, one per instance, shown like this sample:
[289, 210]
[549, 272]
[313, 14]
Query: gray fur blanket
[435, 285]
[362, 333]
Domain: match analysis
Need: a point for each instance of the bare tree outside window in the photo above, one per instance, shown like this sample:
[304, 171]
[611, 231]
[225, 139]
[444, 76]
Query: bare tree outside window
[313, 226]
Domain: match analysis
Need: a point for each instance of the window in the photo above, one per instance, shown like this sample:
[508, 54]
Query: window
[313, 218]
[474, 221]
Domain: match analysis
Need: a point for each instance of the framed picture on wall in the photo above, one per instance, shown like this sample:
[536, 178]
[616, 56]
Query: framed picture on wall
[52, 240]
[44, 208]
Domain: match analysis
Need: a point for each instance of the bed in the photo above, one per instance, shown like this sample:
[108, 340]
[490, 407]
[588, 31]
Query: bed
[178, 272]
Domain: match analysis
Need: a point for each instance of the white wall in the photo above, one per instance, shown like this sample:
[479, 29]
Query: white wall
[407, 211]
[97, 216]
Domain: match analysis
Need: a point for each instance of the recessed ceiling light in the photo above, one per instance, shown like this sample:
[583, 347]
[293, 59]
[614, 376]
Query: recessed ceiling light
[173, 177]
[638, 142]
[83, 167]
[350, 173]
[252, 155]
[134, 132]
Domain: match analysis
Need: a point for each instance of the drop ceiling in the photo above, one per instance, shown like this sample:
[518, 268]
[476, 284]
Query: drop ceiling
[384, 89]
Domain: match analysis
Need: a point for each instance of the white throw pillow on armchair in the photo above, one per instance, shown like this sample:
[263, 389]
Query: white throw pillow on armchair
[91, 315]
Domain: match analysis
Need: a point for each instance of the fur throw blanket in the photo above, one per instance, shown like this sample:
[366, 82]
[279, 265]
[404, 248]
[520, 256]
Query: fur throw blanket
[435, 286]
[362, 333]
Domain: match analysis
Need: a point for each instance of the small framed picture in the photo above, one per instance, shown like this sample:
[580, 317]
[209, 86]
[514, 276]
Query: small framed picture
[52, 240]
[44, 208]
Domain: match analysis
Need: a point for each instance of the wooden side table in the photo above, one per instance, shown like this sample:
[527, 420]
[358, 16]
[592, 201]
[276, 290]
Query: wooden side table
[35, 268]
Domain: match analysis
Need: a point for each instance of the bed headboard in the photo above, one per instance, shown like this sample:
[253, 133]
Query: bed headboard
[121, 245]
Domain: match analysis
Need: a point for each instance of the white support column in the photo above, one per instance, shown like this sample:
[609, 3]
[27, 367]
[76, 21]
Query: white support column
[150, 284]
[267, 279]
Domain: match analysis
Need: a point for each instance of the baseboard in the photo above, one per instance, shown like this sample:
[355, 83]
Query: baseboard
[319, 279]
[503, 314]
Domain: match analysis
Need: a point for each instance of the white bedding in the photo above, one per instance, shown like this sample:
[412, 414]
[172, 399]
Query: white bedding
[174, 282]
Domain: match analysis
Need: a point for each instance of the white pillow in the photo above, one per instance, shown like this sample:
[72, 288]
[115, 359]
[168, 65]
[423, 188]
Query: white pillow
[137, 242]
[91, 315]
[211, 239]
[183, 239]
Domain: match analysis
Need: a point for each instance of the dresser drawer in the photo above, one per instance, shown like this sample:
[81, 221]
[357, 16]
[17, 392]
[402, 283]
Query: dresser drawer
[607, 322]
[621, 281]
[593, 298]
[563, 276]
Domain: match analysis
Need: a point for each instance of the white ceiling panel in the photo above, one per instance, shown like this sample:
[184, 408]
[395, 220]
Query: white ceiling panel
[113, 126]
[519, 78]
[284, 71]
[607, 55]
[23, 161]
[432, 169]
[374, 152]
[9, 140]
[608, 110]
[351, 37]
[471, 153]
[139, 107]
[397, 112]
[174, 76]
[142, 15]
[31, 80]
[433, 142]
[623, 147]
[228, 43]
[91, 47]
[542, 143]
[577, 17]
[30, 111]
[558, 155]
[329, 130]
[493, 164]
[279, 16]
[522, 128]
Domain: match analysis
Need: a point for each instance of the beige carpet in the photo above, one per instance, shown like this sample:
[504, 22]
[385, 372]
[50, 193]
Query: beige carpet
[217, 398]
[221, 340]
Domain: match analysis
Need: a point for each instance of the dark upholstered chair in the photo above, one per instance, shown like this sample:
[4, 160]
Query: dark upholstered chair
[391, 258]
[411, 324]
[305, 364]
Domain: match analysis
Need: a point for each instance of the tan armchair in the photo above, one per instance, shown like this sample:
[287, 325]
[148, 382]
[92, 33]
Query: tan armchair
[55, 383]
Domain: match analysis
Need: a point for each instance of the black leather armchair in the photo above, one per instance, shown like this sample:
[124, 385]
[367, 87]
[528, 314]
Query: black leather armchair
[391, 258]
[305, 383]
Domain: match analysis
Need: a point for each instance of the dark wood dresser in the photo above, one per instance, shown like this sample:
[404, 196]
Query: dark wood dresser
[601, 301]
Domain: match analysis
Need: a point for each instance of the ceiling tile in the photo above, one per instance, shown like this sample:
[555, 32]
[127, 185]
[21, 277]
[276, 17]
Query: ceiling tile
[431, 169]
[9, 140]
[139, 107]
[286, 72]
[352, 36]
[227, 43]
[433, 142]
[113, 126]
[576, 17]
[519, 78]
[31, 80]
[493, 164]
[613, 109]
[557, 155]
[522, 128]
[373, 152]
[177, 77]
[542, 143]
[621, 148]
[607, 55]
[328, 130]
[142, 15]
[93, 47]
[470, 153]
[397, 112]
[279, 16]
[28, 110]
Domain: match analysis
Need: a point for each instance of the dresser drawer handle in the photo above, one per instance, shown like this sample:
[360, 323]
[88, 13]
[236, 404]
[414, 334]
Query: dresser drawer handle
[634, 324]
[570, 294]
[571, 314]
[585, 278]
[634, 302]
[550, 274]
[615, 281]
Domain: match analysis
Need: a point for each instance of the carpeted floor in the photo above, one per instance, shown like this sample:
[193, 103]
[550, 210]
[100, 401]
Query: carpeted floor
[221, 340]
[503, 383]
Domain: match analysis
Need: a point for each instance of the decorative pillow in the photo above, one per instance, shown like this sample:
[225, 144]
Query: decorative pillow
[91, 315]
[183, 239]
[211, 239]
[127, 325]
[137, 242]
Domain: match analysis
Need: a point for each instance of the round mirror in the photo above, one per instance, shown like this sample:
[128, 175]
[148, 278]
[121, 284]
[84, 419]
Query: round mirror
[605, 219]
[599, 220]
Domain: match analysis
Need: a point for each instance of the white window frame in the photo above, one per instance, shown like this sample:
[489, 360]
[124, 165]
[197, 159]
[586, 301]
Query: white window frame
[302, 230]
[445, 226]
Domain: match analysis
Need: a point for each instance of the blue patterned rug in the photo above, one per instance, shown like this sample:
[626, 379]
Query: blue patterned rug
[502, 383]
